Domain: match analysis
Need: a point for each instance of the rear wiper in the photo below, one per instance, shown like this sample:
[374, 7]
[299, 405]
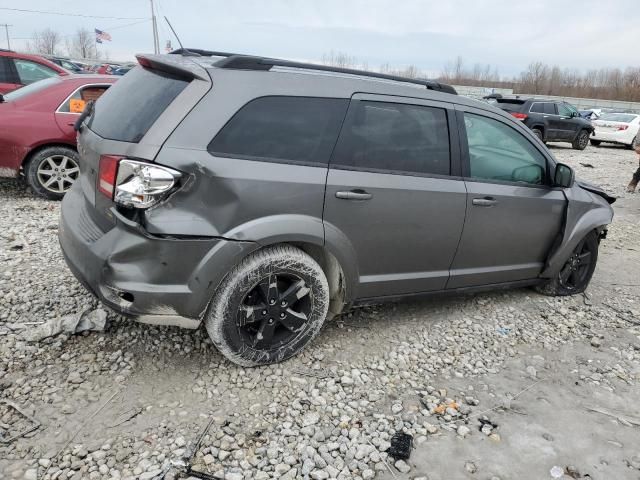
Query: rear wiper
[88, 110]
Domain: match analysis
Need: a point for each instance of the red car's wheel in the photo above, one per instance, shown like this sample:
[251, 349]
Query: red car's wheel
[52, 171]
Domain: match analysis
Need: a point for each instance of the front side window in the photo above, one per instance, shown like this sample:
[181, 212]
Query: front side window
[30, 72]
[299, 129]
[498, 152]
[564, 110]
[395, 138]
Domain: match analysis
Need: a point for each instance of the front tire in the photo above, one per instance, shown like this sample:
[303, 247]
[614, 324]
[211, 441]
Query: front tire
[269, 307]
[576, 273]
[51, 171]
[581, 141]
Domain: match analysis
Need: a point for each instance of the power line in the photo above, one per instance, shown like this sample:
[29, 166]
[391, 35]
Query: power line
[70, 14]
[73, 34]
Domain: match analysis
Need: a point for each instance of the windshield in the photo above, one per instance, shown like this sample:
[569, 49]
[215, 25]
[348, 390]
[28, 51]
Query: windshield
[618, 117]
[31, 89]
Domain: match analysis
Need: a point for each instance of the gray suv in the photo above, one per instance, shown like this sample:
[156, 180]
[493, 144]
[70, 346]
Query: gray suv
[263, 196]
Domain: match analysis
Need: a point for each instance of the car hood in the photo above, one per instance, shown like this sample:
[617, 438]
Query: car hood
[590, 187]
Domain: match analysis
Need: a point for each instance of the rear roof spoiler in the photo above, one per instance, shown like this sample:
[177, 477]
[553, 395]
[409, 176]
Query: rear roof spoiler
[173, 64]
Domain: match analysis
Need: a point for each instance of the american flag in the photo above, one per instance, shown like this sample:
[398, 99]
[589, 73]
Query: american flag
[101, 36]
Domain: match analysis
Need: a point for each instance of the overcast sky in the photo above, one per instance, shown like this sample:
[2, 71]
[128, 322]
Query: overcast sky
[508, 34]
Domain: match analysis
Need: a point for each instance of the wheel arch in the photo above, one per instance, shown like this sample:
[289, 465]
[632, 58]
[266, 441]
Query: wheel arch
[38, 148]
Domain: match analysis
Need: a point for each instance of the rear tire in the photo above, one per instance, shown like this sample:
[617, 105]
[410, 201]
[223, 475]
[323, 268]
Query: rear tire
[576, 273]
[581, 141]
[595, 143]
[538, 133]
[633, 143]
[269, 307]
[51, 171]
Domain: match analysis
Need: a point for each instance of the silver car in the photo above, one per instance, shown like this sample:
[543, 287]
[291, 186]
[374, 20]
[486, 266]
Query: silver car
[262, 196]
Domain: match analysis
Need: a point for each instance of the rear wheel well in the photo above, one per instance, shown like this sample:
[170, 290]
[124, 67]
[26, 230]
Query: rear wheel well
[332, 270]
[34, 151]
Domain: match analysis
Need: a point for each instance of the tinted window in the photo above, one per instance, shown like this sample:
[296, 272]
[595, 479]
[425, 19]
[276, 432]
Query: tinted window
[128, 109]
[30, 72]
[499, 152]
[618, 117]
[394, 137]
[550, 109]
[300, 129]
[77, 101]
[537, 107]
[5, 71]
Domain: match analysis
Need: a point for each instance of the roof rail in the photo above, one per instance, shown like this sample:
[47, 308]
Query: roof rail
[248, 62]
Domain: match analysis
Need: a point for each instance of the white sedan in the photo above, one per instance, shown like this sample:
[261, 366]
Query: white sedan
[621, 128]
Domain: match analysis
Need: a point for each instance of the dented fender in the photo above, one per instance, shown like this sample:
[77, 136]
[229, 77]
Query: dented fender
[586, 212]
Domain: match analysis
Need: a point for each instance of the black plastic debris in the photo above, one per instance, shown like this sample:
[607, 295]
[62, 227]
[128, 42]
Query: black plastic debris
[401, 445]
[486, 421]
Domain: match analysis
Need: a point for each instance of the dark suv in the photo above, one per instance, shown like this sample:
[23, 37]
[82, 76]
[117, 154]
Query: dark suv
[550, 120]
[263, 196]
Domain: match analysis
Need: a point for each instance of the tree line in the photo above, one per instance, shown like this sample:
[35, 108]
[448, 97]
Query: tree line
[539, 78]
[81, 44]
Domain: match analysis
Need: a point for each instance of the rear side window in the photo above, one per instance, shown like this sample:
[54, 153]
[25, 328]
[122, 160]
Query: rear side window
[127, 109]
[550, 109]
[394, 138]
[301, 129]
[537, 108]
[77, 101]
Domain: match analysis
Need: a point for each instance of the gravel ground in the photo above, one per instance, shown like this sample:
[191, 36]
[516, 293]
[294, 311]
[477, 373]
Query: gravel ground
[493, 386]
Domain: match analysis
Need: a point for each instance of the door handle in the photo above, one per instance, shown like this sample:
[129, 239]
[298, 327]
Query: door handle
[354, 195]
[484, 202]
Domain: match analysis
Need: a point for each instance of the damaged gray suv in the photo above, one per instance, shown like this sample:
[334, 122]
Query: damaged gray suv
[263, 196]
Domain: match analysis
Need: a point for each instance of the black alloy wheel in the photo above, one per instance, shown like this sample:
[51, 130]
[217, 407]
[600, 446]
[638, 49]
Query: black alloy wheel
[274, 311]
[576, 272]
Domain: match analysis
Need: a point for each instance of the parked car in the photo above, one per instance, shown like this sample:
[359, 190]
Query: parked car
[620, 128]
[591, 114]
[262, 200]
[66, 63]
[20, 69]
[550, 120]
[37, 137]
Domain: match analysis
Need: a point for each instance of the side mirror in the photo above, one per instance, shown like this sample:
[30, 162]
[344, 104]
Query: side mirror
[528, 174]
[564, 176]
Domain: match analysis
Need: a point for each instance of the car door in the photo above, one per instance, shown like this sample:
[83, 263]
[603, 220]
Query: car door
[569, 121]
[8, 77]
[513, 215]
[394, 193]
[71, 108]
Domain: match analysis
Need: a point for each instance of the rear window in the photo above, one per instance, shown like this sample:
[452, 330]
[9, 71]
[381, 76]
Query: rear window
[31, 89]
[510, 104]
[300, 129]
[128, 109]
[618, 117]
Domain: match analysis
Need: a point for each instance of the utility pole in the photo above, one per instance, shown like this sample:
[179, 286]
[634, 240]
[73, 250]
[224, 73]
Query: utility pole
[6, 29]
[156, 42]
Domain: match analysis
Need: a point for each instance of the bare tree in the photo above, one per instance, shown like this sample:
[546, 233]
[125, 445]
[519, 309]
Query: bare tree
[45, 41]
[339, 59]
[82, 45]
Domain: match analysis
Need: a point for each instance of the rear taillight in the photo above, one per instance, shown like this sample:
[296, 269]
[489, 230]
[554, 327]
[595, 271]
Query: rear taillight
[131, 183]
[519, 116]
[623, 127]
[107, 170]
[141, 185]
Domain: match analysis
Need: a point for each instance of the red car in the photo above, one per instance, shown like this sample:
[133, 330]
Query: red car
[36, 130]
[20, 69]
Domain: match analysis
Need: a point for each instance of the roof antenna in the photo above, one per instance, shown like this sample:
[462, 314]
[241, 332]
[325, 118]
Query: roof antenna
[183, 50]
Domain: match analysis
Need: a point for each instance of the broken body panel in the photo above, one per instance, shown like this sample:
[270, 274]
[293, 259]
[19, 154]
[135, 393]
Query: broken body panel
[164, 264]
